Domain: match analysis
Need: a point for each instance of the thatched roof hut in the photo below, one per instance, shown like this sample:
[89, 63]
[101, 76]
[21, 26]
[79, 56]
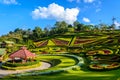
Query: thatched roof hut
[22, 53]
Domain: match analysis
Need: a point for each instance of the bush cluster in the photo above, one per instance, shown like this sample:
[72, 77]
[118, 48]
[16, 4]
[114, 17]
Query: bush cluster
[76, 67]
[9, 64]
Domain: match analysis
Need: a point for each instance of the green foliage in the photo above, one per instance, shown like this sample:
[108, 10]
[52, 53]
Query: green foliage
[13, 64]
[22, 36]
[30, 44]
[11, 50]
[102, 38]
[55, 62]
[62, 63]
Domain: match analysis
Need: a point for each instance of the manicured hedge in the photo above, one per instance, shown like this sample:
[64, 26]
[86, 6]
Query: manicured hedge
[55, 62]
[9, 64]
[6, 67]
[79, 63]
[21, 67]
[98, 67]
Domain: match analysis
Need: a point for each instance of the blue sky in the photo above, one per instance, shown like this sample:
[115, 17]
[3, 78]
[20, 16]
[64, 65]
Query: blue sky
[30, 13]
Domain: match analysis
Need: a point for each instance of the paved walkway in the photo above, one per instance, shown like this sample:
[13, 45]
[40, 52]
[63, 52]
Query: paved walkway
[43, 65]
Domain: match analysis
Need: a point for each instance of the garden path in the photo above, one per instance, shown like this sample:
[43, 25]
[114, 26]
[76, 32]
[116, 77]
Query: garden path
[43, 65]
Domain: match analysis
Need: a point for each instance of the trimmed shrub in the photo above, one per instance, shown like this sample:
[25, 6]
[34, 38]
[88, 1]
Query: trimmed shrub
[77, 68]
[55, 62]
[9, 64]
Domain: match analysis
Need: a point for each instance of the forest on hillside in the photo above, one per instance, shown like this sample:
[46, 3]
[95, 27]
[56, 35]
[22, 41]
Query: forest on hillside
[22, 36]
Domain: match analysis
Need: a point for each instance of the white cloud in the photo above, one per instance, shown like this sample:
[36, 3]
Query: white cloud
[98, 10]
[89, 1]
[86, 20]
[57, 12]
[74, 0]
[117, 23]
[70, 0]
[85, 1]
[9, 2]
[77, 1]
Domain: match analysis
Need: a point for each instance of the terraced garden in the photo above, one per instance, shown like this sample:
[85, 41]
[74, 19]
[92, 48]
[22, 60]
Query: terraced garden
[77, 57]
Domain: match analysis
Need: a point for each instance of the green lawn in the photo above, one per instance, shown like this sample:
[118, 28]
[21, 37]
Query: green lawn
[66, 39]
[60, 62]
[50, 43]
[72, 74]
[81, 73]
[78, 75]
[65, 61]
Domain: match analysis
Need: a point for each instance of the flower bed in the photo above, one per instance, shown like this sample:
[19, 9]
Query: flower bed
[60, 42]
[80, 41]
[113, 66]
[104, 66]
[96, 67]
[44, 52]
[91, 53]
[42, 43]
[102, 52]
[105, 52]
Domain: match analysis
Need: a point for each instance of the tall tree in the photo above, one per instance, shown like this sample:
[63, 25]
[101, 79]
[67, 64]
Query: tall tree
[61, 27]
[46, 31]
[37, 32]
[18, 30]
[103, 27]
[96, 28]
[80, 27]
[75, 23]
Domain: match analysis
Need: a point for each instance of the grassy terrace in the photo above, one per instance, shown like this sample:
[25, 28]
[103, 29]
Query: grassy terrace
[59, 63]
[105, 46]
[77, 74]
[71, 74]
[62, 63]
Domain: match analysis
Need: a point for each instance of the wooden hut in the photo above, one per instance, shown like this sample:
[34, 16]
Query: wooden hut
[23, 54]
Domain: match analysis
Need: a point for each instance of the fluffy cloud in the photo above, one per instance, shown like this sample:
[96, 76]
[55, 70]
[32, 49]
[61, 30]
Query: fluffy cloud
[9, 1]
[98, 10]
[57, 12]
[86, 1]
[74, 0]
[86, 20]
[117, 23]
[89, 1]
[70, 0]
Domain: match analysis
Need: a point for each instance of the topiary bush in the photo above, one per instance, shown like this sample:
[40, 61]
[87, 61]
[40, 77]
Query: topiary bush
[10, 64]
[99, 67]
[55, 62]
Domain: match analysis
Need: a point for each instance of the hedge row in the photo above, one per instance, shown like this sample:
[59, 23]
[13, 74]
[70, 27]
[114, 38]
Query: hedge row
[9, 64]
[104, 69]
[55, 62]
[20, 68]
[79, 59]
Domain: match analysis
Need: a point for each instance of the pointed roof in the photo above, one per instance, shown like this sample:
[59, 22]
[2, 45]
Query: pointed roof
[22, 53]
